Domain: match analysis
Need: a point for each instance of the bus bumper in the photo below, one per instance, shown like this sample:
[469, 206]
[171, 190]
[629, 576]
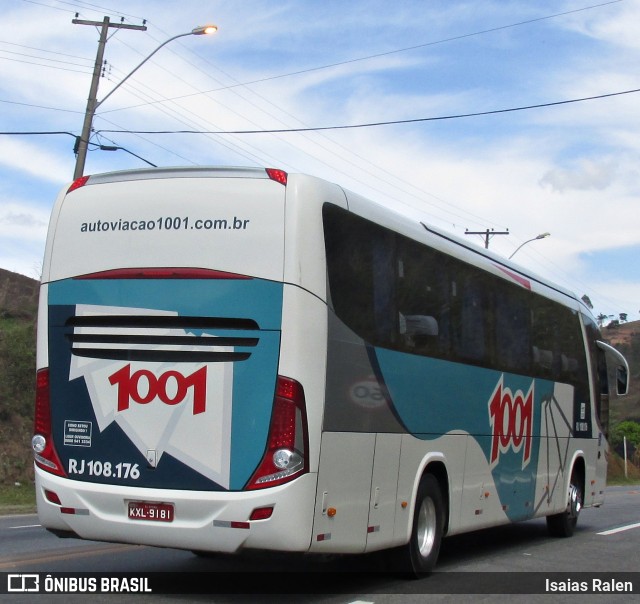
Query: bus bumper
[202, 520]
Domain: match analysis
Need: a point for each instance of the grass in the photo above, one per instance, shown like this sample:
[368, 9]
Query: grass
[17, 499]
[616, 473]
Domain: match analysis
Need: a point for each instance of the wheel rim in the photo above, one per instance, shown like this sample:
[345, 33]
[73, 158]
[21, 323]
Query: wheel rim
[426, 528]
[575, 505]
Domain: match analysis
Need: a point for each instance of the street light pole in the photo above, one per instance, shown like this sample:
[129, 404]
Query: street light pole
[487, 234]
[198, 31]
[541, 236]
[82, 143]
[93, 103]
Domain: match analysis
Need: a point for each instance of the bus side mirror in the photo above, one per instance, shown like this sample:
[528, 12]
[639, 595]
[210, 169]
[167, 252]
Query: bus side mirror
[622, 380]
[616, 366]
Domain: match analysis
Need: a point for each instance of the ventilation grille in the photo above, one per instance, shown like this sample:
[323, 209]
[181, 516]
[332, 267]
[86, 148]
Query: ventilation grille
[160, 338]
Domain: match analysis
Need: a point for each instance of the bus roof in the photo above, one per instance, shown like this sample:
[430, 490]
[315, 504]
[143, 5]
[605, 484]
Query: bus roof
[365, 207]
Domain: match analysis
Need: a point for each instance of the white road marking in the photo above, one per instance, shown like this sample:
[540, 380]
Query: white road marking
[628, 527]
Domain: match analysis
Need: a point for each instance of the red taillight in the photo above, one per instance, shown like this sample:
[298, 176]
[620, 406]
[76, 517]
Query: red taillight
[77, 183]
[42, 418]
[162, 273]
[285, 457]
[277, 175]
[42, 442]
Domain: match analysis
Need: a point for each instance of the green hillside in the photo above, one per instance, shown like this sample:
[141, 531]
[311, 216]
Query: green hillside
[18, 308]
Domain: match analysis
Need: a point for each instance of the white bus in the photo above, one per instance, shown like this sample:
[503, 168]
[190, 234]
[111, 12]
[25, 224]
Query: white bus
[235, 359]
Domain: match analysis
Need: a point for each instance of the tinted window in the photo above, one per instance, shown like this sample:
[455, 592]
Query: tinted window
[397, 293]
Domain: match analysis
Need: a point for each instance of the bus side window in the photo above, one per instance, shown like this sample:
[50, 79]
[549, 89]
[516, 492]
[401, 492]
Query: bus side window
[422, 300]
[512, 328]
[469, 336]
[384, 287]
[545, 333]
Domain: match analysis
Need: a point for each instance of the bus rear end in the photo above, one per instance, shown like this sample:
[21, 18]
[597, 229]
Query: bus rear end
[161, 417]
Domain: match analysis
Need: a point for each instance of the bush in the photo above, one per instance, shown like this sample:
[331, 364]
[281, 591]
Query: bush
[17, 392]
[17, 368]
[628, 429]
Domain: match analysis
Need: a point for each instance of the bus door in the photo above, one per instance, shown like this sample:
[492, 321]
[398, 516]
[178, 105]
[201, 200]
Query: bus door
[356, 495]
[384, 489]
[343, 492]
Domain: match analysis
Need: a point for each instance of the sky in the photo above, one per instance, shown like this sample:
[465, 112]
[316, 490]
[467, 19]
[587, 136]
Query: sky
[507, 115]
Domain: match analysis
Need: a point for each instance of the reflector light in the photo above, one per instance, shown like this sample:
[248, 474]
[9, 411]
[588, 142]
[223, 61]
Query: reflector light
[162, 273]
[77, 183]
[75, 511]
[52, 497]
[261, 513]
[277, 175]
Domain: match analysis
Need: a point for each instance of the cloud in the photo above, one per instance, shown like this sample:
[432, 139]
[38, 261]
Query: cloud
[502, 171]
[587, 174]
[618, 28]
[21, 221]
[33, 159]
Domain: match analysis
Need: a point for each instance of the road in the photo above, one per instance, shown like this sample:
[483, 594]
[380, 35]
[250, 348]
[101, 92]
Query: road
[606, 540]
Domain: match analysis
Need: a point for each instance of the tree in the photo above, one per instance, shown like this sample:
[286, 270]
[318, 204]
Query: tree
[628, 429]
[17, 367]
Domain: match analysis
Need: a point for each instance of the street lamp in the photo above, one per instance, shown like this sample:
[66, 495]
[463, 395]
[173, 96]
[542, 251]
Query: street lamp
[93, 103]
[541, 236]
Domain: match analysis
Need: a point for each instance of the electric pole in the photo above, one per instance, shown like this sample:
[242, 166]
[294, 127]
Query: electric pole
[82, 143]
[487, 234]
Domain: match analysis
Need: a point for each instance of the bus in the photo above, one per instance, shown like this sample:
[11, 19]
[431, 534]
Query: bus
[237, 359]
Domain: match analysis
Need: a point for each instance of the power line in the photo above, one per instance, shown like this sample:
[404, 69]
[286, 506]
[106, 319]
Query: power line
[386, 123]
[389, 52]
[36, 133]
[43, 65]
[66, 10]
[28, 56]
[375, 171]
[451, 210]
[52, 52]
[40, 106]
[80, 4]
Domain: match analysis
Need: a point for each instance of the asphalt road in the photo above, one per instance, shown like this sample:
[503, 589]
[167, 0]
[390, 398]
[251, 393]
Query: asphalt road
[498, 561]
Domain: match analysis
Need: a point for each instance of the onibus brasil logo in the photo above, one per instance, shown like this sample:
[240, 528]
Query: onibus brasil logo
[511, 420]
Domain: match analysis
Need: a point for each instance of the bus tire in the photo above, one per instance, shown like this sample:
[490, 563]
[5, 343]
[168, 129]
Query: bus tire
[564, 523]
[419, 556]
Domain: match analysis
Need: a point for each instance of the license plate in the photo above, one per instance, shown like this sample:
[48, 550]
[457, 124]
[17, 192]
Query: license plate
[146, 510]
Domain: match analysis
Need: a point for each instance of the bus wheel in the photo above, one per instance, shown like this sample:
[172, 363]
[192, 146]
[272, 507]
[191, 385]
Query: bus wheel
[563, 524]
[419, 556]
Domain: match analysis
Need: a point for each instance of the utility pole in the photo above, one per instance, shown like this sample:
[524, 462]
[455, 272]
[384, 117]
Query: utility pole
[82, 143]
[487, 234]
